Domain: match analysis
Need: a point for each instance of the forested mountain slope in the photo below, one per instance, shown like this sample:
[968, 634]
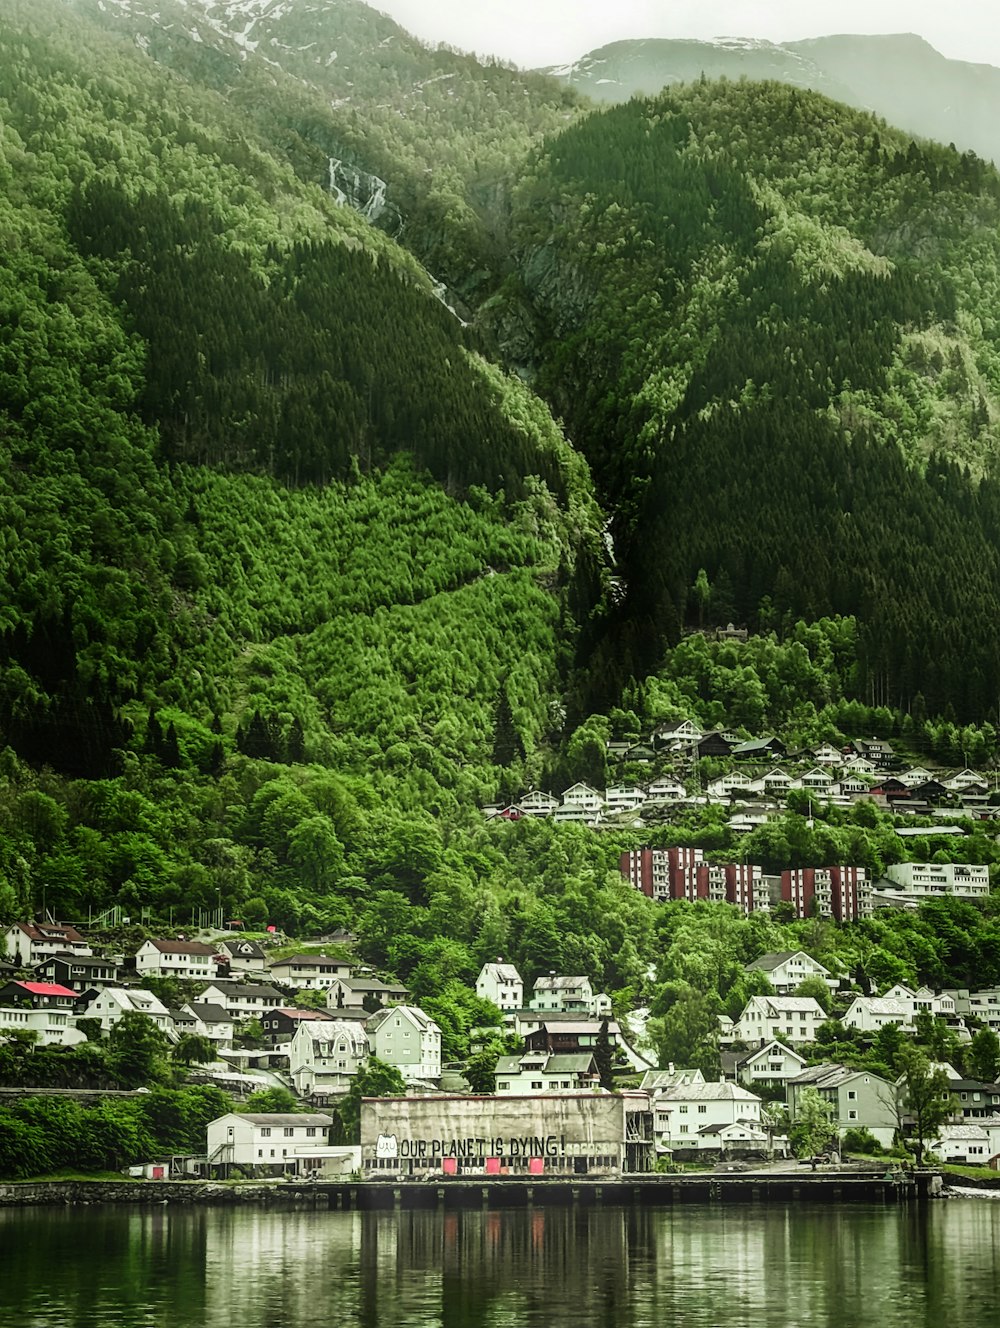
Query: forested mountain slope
[175, 296]
[900, 77]
[770, 323]
[424, 140]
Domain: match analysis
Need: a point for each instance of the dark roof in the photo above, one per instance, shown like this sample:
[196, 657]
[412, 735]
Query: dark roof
[246, 989]
[312, 960]
[210, 1013]
[243, 947]
[42, 989]
[289, 1013]
[79, 961]
[371, 985]
[183, 947]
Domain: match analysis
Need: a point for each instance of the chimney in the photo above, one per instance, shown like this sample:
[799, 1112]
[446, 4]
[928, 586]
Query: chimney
[670, 1068]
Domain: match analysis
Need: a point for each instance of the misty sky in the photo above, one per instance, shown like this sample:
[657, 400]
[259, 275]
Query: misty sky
[539, 32]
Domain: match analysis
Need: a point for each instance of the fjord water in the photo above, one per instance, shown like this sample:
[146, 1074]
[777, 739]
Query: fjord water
[613, 1268]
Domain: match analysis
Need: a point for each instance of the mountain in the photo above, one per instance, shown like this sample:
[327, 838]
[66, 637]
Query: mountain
[767, 321]
[305, 558]
[423, 139]
[900, 78]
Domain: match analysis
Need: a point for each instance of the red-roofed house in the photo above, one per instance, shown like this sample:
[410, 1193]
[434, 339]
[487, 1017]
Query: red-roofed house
[176, 959]
[28, 943]
[38, 995]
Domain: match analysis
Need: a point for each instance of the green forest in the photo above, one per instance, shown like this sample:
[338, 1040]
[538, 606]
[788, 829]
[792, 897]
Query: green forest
[302, 567]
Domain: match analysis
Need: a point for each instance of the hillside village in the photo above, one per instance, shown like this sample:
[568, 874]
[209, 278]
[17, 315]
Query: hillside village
[311, 1022]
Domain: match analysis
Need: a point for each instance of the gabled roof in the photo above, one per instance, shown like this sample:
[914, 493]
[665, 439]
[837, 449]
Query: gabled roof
[768, 1049]
[883, 1005]
[182, 947]
[553, 983]
[285, 1118]
[309, 961]
[210, 1013]
[45, 989]
[299, 1016]
[328, 1030]
[371, 985]
[709, 1092]
[789, 1004]
[78, 961]
[767, 963]
[246, 989]
[501, 972]
[415, 1015]
[653, 1080]
[832, 1076]
[50, 931]
[243, 947]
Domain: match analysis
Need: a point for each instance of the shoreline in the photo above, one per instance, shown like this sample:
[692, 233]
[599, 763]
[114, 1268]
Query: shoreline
[452, 1194]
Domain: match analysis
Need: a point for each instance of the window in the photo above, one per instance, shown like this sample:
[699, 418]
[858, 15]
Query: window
[702, 1110]
[310, 1131]
[265, 1132]
[682, 1110]
[852, 1115]
[685, 1129]
[851, 1095]
[536, 1083]
[504, 1083]
[289, 1131]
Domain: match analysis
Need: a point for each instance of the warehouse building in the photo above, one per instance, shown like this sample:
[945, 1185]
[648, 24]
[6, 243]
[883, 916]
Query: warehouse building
[557, 1135]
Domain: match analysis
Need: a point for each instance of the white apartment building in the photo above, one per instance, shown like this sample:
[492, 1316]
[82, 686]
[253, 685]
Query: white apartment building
[785, 969]
[308, 972]
[53, 1027]
[580, 805]
[689, 1115]
[112, 1004]
[933, 879]
[266, 1142]
[324, 1055]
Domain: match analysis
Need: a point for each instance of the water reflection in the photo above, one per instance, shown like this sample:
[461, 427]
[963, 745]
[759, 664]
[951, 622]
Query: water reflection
[552, 1268]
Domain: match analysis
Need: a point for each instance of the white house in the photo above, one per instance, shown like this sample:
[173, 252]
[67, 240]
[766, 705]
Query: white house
[502, 984]
[665, 789]
[779, 1018]
[363, 993]
[308, 972]
[53, 1027]
[538, 804]
[688, 1115]
[209, 1020]
[569, 995]
[267, 1143]
[242, 1000]
[176, 959]
[581, 804]
[870, 1013]
[623, 798]
[540, 1072]
[112, 1004]
[785, 969]
[324, 1055]
[769, 1066]
[28, 943]
[243, 954]
[403, 1036]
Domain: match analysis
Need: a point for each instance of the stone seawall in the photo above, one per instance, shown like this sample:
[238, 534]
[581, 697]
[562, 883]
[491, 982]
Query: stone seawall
[365, 1196]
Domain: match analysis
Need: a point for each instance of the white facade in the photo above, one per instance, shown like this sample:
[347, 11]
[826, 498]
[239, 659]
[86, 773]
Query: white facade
[933, 879]
[786, 969]
[307, 972]
[502, 984]
[176, 959]
[665, 790]
[28, 943]
[242, 1000]
[538, 1072]
[405, 1037]
[325, 1054]
[779, 1019]
[771, 1064]
[538, 804]
[581, 804]
[265, 1141]
[112, 1004]
[53, 1027]
[684, 1115]
[624, 798]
